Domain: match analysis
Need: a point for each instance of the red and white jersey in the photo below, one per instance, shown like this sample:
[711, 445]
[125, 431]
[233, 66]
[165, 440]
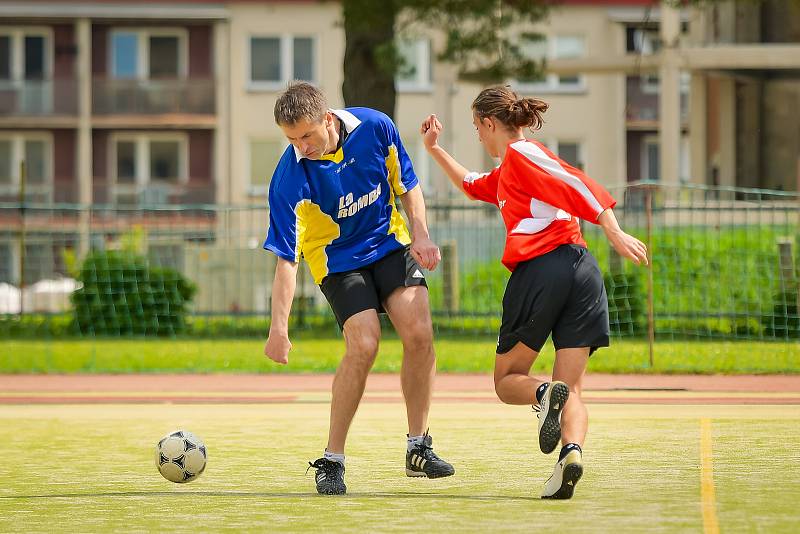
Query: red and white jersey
[540, 197]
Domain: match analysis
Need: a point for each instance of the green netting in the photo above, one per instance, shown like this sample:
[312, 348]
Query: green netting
[724, 267]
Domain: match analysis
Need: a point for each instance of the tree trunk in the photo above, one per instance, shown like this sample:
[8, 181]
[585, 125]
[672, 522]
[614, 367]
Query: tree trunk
[368, 64]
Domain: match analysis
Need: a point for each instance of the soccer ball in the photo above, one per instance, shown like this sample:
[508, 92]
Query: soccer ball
[180, 456]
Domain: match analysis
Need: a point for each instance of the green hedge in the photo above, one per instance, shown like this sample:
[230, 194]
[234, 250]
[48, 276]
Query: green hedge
[123, 295]
[44, 326]
[37, 326]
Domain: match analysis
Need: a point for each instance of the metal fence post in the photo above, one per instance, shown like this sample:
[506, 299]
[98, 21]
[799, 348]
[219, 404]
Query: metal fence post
[651, 331]
[449, 249]
[788, 279]
[21, 237]
[786, 264]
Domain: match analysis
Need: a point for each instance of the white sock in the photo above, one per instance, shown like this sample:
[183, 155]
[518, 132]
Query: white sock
[413, 441]
[334, 457]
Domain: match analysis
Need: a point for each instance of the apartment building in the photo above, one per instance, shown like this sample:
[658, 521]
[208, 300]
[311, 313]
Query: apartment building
[584, 123]
[128, 105]
[107, 104]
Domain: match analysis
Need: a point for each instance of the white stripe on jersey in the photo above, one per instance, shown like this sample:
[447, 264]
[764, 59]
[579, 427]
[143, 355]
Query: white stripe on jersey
[552, 167]
[543, 214]
[472, 176]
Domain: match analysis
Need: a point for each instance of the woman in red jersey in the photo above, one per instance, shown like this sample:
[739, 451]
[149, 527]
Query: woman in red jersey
[556, 286]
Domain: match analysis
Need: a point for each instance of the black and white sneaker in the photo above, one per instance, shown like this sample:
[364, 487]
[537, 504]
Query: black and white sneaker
[568, 470]
[329, 476]
[421, 461]
[549, 414]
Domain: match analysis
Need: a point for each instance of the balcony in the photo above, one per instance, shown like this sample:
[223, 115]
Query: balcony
[153, 97]
[58, 190]
[38, 98]
[66, 191]
[642, 106]
[153, 195]
[54, 208]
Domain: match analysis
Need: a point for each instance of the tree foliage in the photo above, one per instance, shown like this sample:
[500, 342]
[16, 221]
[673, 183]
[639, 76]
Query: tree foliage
[482, 39]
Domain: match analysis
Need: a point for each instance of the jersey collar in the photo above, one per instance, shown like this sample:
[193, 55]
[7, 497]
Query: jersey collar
[350, 122]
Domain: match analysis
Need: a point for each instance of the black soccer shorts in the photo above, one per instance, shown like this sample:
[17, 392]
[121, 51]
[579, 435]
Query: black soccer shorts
[560, 292]
[367, 287]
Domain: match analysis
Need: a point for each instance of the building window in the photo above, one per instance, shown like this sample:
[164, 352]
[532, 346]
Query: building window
[26, 68]
[568, 47]
[651, 159]
[276, 60]
[152, 54]
[651, 169]
[7, 263]
[684, 163]
[554, 47]
[164, 56]
[265, 59]
[164, 159]
[644, 41]
[125, 55]
[36, 151]
[264, 157]
[416, 70]
[303, 58]
[5, 57]
[7, 164]
[147, 167]
[25, 54]
[126, 161]
[571, 152]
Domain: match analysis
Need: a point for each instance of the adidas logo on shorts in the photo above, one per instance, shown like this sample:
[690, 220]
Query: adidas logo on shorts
[417, 274]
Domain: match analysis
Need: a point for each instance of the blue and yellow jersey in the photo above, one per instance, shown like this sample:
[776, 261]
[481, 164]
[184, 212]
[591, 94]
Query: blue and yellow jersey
[339, 212]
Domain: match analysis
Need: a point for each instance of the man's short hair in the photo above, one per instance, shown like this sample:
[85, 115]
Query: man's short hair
[301, 100]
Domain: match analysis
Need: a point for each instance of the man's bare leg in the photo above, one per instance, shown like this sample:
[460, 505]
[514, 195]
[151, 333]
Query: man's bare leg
[409, 311]
[362, 334]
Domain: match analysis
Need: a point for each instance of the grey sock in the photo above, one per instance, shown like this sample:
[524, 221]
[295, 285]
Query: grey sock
[334, 457]
[413, 441]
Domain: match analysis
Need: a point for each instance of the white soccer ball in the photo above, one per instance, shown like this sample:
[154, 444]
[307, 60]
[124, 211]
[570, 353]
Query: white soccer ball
[180, 456]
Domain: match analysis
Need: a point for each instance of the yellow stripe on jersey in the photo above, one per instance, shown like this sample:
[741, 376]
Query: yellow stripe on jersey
[315, 231]
[395, 171]
[397, 225]
[336, 157]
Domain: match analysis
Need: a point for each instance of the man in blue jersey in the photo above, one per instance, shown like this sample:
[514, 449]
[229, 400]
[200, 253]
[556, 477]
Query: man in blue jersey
[332, 201]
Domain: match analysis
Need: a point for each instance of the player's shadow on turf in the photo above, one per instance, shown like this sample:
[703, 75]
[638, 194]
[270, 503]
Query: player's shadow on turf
[376, 495]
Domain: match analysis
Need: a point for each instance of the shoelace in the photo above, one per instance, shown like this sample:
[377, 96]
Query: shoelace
[426, 451]
[326, 465]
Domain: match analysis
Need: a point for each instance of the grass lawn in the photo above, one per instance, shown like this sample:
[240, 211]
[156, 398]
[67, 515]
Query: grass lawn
[310, 354]
[91, 469]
